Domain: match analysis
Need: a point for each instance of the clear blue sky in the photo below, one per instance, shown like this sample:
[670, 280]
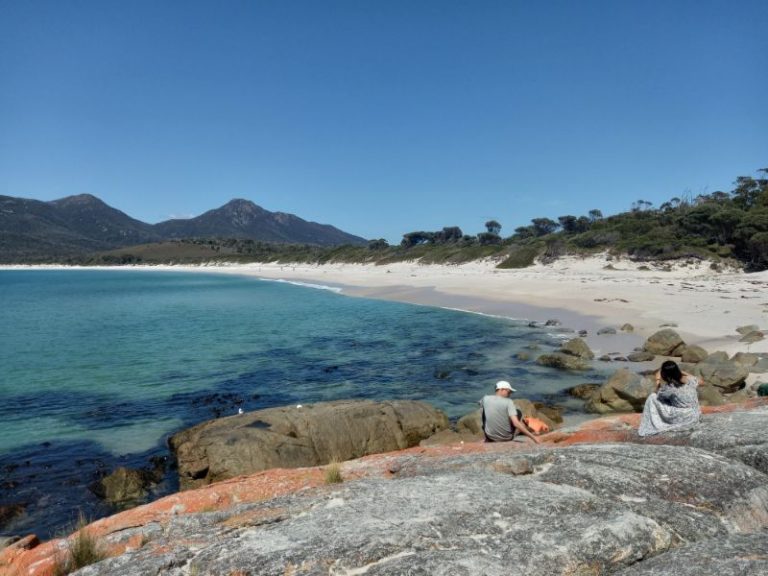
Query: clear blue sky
[381, 117]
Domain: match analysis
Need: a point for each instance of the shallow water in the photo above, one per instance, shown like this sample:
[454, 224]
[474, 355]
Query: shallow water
[100, 367]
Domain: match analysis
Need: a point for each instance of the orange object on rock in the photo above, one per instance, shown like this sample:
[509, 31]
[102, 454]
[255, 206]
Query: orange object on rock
[535, 425]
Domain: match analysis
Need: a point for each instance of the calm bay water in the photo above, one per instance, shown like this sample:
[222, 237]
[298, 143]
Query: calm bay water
[98, 368]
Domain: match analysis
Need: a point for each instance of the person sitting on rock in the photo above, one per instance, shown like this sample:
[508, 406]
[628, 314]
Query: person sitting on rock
[674, 405]
[501, 418]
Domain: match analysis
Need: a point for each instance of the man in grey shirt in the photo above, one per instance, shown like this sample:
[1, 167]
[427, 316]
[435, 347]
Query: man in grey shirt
[500, 416]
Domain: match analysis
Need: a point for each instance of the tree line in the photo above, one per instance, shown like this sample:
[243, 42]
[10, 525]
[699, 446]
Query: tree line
[721, 225]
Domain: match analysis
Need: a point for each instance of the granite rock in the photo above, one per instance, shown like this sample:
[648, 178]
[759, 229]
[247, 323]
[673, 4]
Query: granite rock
[563, 361]
[292, 437]
[665, 342]
[577, 347]
[624, 391]
[582, 509]
[693, 354]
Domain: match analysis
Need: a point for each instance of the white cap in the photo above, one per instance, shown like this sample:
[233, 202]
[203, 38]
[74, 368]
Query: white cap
[504, 385]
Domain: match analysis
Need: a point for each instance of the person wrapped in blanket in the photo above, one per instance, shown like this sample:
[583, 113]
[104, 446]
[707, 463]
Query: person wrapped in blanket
[674, 405]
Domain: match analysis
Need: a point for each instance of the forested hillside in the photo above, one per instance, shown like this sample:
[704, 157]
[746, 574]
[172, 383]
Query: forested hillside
[730, 226]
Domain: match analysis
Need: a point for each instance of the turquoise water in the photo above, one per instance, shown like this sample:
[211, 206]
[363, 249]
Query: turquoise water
[100, 367]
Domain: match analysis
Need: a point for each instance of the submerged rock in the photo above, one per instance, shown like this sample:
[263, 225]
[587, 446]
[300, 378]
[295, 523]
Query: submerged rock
[9, 512]
[606, 330]
[123, 486]
[562, 361]
[582, 391]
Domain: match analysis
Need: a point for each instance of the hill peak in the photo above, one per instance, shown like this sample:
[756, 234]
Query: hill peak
[78, 199]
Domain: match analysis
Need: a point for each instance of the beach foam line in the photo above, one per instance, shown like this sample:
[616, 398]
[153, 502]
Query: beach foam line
[335, 289]
[486, 314]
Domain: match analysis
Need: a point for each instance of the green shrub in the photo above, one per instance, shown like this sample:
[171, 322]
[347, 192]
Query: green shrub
[520, 257]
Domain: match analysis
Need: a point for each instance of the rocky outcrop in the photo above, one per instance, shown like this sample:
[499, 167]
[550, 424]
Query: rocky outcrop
[625, 391]
[297, 436]
[665, 342]
[606, 330]
[738, 554]
[598, 500]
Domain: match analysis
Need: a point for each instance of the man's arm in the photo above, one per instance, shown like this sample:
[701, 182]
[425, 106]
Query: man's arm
[523, 428]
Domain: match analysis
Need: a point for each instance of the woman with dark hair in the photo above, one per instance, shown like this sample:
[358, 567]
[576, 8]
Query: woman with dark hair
[674, 405]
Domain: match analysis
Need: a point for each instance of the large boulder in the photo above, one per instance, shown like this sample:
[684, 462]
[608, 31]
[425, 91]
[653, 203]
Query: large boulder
[577, 347]
[665, 342]
[562, 361]
[582, 391]
[710, 395]
[751, 337]
[294, 437]
[717, 357]
[745, 359]
[693, 354]
[728, 376]
[641, 356]
[744, 330]
[625, 391]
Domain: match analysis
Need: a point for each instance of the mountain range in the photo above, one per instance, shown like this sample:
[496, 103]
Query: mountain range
[35, 231]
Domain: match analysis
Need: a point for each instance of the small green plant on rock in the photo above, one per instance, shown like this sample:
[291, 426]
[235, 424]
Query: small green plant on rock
[81, 550]
[333, 473]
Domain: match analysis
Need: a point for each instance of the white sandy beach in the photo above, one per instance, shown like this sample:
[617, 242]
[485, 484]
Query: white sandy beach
[583, 293]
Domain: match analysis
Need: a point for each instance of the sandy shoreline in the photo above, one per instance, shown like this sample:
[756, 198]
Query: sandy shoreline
[591, 293]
